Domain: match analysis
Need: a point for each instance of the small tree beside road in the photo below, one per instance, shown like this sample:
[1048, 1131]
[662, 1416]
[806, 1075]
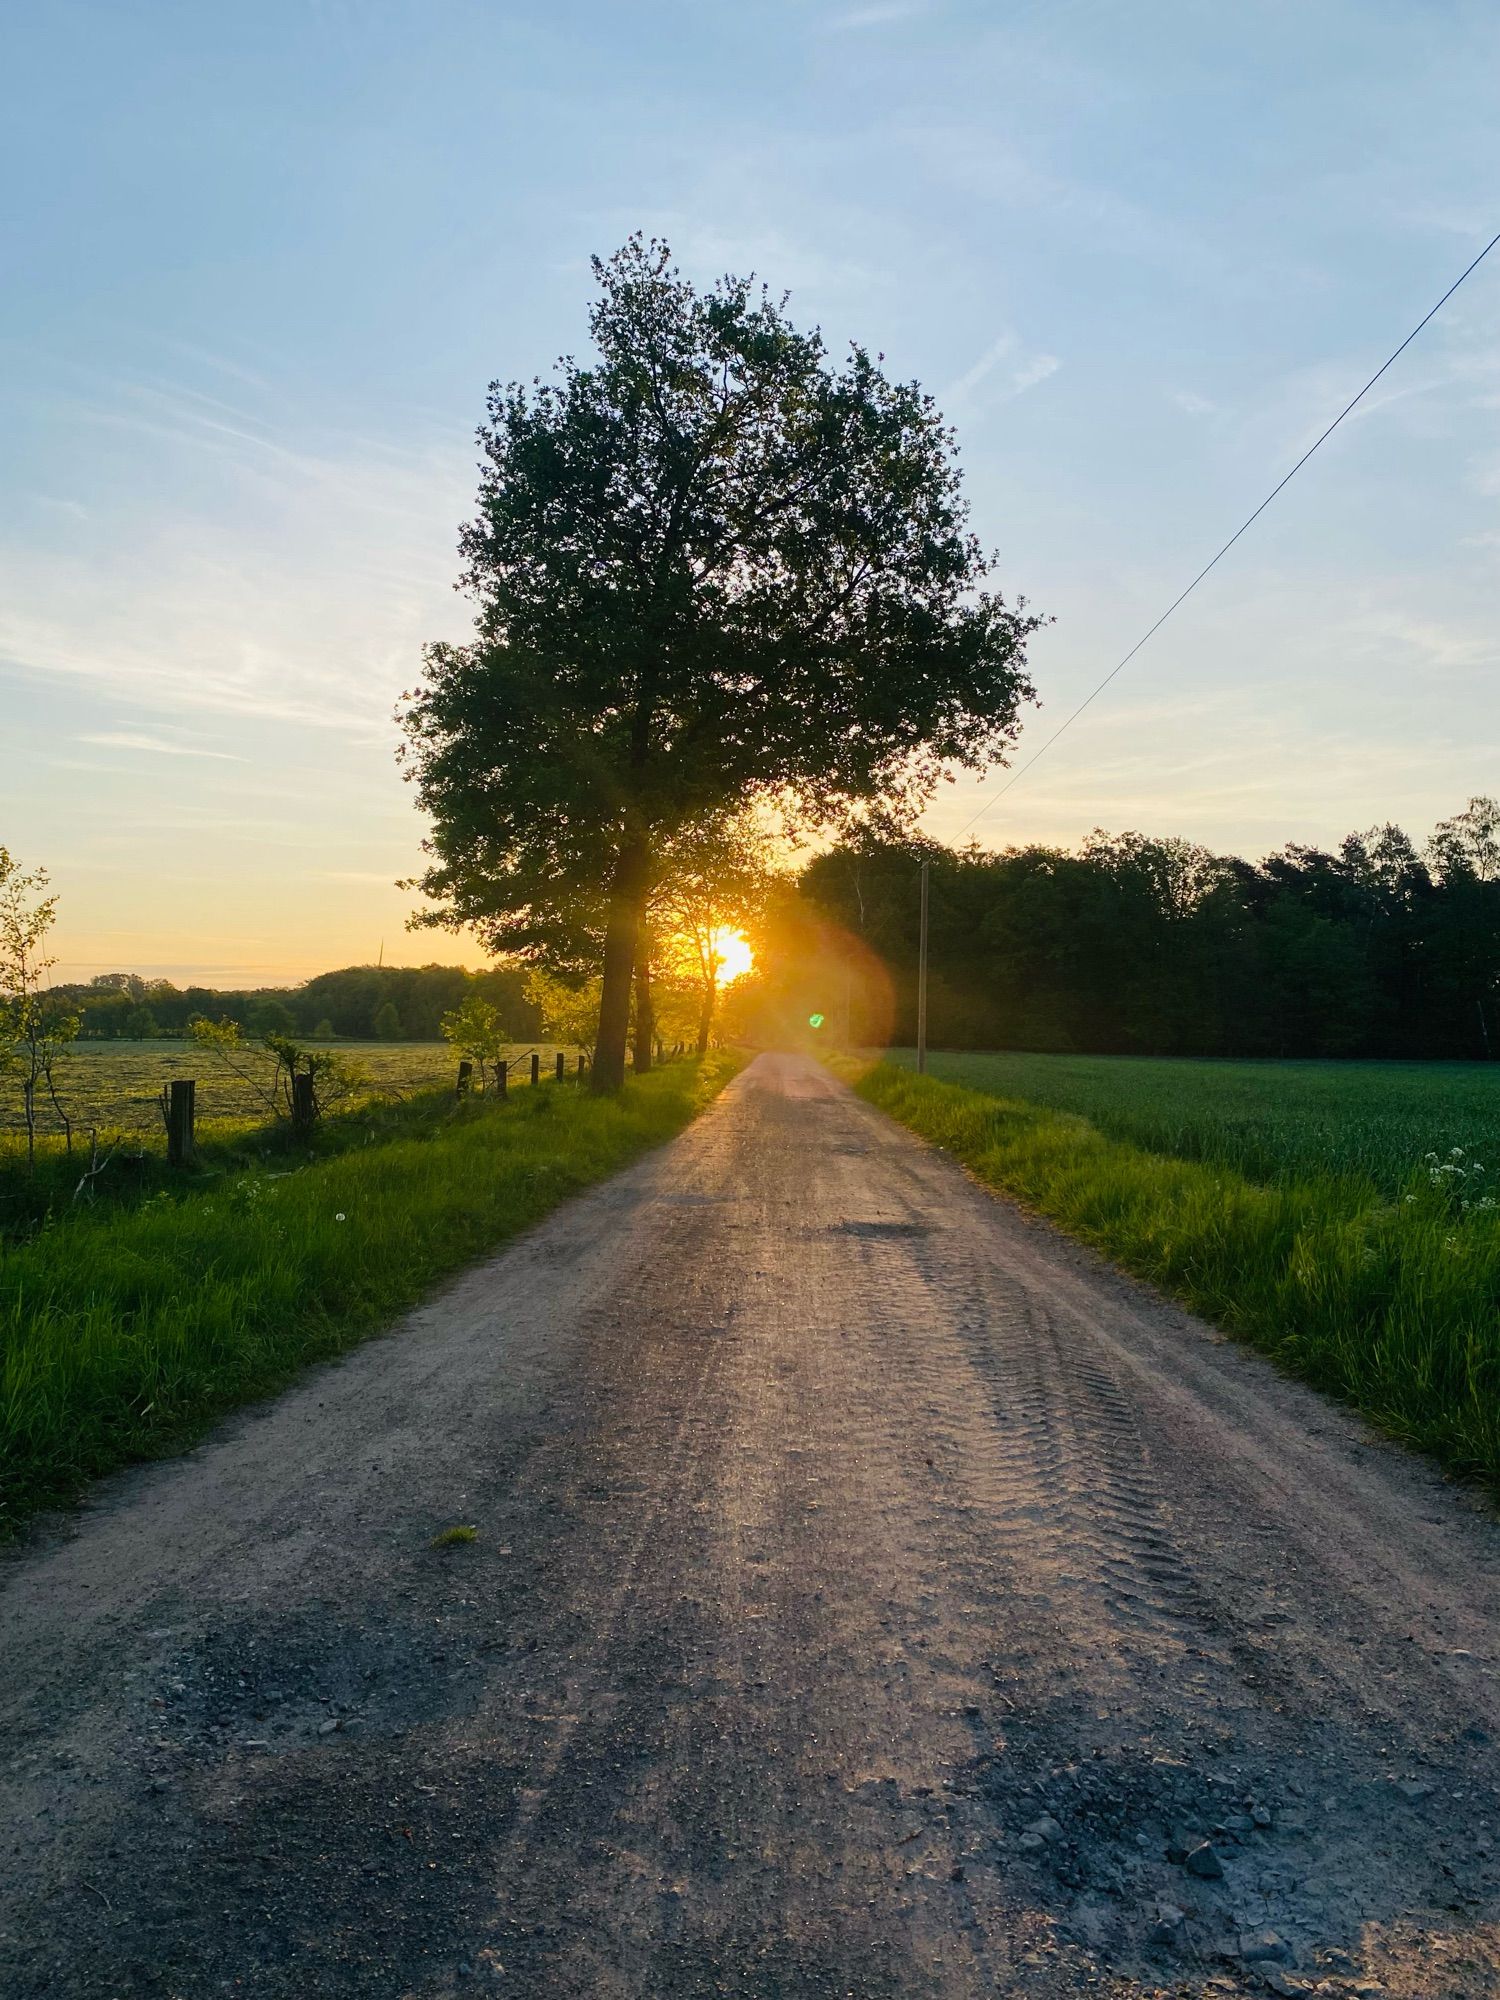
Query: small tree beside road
[476, 1031]
[292, 1082]
[35, 1029]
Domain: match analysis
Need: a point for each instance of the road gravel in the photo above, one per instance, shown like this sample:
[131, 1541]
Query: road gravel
[872, 1594]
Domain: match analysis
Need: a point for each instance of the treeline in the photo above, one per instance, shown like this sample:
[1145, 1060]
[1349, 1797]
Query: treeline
[1141, 946]
[360, 1002]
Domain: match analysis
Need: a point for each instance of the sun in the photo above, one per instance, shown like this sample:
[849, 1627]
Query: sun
[735, 957]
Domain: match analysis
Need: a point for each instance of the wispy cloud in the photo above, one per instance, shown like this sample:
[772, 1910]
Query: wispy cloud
[253, 577]
[856, 19]
[1031, 373]
[1424, 646]
[127, 739]
[220, 364]
[983, 163]
[1194, 404]
[1006, 360]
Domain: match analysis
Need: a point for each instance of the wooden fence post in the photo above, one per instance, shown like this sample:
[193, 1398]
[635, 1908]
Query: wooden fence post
[502, 1072]
[304, 1103]
[582, 1060]
[465, 1078]
[562, 1065]
[536, 1067]
[177, 1108]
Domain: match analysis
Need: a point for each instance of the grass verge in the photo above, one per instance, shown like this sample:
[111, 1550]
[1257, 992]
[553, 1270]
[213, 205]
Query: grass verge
[1391, 1302]
[125, 1332]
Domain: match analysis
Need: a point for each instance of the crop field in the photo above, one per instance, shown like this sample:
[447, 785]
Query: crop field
[1273, 1122]
[115, 1086]
[1345, 1217]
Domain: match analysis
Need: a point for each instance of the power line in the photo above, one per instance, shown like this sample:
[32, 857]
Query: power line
[1068, 721]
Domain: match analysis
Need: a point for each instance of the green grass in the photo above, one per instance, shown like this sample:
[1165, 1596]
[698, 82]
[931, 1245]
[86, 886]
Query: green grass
[112, 1089]
[1271, 1121]
[125, 1330]
[454, 1538]
[1364, 1277]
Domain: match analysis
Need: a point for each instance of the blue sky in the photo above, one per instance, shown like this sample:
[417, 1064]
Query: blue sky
[260, 264]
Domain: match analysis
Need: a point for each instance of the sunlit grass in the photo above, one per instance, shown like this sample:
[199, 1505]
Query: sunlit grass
[124, 1330]
[1387, 1295]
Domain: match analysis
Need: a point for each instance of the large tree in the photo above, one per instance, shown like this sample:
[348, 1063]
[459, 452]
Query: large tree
[708, 565]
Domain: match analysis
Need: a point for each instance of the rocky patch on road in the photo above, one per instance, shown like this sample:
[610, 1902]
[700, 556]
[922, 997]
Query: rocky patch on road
[1240, 1877]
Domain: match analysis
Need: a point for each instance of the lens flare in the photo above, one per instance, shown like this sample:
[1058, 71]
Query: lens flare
[732, 949]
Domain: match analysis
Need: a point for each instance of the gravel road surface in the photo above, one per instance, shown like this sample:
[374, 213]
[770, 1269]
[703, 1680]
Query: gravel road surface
[873, 1595]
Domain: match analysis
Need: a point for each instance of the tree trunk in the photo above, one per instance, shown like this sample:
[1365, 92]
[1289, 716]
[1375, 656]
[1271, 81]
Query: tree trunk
[645, 1010]
[627, 897]
[706, 1015]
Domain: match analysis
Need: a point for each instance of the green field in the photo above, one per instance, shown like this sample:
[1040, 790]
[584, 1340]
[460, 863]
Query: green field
[1341, 1216]
[127, 1323]
[114, 1086]
[1271, 1121]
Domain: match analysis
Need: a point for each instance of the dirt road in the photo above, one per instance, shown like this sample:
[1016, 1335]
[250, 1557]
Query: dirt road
[872, 1596]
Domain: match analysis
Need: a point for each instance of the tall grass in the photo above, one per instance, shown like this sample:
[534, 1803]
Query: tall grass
[1389, 1299]
[124, 1331]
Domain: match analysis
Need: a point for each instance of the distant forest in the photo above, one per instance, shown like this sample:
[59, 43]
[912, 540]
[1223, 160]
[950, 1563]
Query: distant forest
[1159, 947]
[362, 1002]
[1131, 945]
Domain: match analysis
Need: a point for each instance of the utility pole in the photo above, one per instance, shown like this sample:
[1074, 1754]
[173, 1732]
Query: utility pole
[922, 981]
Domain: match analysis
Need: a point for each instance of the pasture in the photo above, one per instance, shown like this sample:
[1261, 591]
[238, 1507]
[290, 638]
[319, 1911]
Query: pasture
[113, 1086]
[1343, 1217]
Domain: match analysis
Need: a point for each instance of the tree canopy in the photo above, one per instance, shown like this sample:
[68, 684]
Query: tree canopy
[708, 565]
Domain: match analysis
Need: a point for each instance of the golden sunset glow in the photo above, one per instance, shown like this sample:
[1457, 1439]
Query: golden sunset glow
[734, 955]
